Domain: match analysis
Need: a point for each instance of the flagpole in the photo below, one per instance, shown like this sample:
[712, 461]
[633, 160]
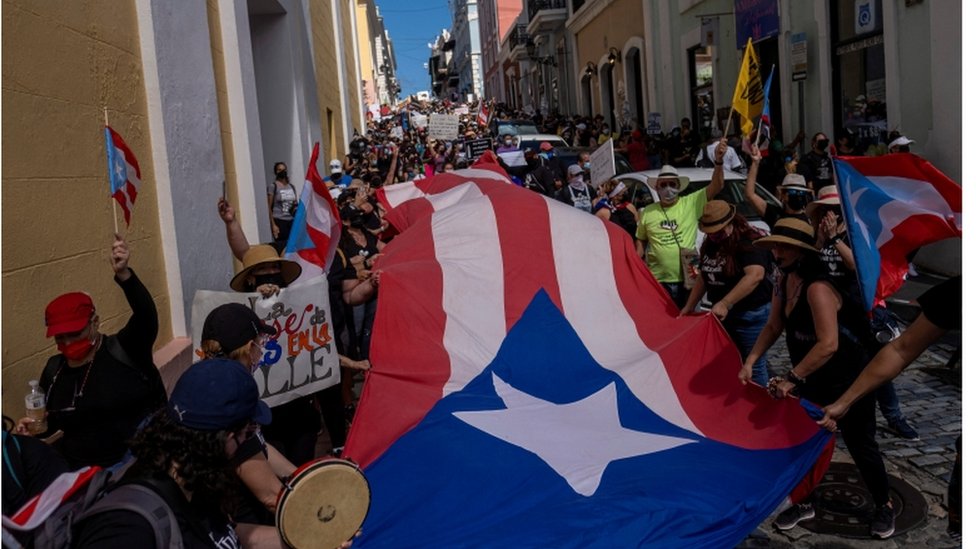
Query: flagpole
[115, 214]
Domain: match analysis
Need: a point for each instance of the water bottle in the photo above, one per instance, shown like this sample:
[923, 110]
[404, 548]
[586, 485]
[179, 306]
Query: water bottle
[36, 404]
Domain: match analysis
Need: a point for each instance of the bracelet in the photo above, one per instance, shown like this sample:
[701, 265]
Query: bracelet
[795, 379]
[833, 240]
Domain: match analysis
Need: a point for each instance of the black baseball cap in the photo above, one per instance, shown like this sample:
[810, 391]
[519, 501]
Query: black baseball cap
[232, 325]
[216, 394]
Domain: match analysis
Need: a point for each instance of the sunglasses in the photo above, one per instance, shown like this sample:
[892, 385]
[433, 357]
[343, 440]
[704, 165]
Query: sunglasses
[672, 183]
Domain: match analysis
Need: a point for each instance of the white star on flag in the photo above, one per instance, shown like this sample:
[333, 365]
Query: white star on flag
[577, 440]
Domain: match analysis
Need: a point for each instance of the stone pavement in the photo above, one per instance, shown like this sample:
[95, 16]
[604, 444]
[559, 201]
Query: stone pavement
[934, 407]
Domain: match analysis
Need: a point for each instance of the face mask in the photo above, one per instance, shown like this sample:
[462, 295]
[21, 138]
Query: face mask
[822, 144]
[282, 175]
[508, 143]
[668, 194]
[76, 350]
[792, 267]
[586, 165]
[606, 132]
[276, 278]
[797, 202]
[717, 236]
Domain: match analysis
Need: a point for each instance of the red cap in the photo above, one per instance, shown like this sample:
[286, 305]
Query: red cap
[545, 146]
[68, 313]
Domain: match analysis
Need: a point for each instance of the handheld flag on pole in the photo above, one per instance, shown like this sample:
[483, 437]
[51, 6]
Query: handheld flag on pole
[764, 119]
[748, 97]
[316, 229]
[893, 205]
[123, 172]
[482, 113]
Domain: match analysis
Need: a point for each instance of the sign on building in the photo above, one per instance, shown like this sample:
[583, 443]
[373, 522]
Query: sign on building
[798, 56]
[865, 17]
[756, 19]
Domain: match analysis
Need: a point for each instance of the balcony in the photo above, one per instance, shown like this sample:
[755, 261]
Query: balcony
[546, 16]
[518, 37]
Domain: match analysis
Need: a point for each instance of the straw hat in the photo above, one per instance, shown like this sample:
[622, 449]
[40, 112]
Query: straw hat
[668, 172]
[794, 182]
[793, 231]
[260, 256]
[826, 196]
[717, 214]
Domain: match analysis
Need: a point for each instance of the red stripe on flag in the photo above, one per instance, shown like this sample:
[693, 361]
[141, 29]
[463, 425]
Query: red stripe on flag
[130, 157]
[426, 367]
[909, 166]
[120, 197]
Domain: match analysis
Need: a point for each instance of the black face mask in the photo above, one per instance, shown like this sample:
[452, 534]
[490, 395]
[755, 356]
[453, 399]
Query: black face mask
[275, 278]
[822, 144]
[797, 202]
[282, 175]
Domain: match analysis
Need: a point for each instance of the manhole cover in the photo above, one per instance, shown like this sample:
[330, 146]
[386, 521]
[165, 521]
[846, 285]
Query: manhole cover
[844, 506]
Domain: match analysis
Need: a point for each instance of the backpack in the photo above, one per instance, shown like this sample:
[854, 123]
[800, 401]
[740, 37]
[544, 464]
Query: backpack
[49, 520]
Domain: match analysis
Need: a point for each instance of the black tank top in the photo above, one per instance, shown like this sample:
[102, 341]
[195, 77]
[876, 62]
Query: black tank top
[836, 375]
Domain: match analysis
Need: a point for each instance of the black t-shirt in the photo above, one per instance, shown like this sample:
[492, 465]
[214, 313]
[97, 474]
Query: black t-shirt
[942, 304]
[718, 284]
[816, 168]
[844, 279]
[99, 406]
[29, 466]
[202, 526]
[351, 249]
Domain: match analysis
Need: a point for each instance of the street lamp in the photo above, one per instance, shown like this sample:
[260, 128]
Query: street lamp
[614, 54]
[590, 68]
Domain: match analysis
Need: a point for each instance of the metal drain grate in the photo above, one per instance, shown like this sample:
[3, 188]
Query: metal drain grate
[844, 506]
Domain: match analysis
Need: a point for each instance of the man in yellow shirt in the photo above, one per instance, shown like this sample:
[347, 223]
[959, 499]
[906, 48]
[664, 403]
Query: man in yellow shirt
[671, 224]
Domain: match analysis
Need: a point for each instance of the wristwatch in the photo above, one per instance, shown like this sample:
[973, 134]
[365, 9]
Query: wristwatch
[794, 379]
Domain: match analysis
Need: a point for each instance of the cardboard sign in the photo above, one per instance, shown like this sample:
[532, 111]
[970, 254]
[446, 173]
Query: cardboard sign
[418, 120]
[602, 166]
[443, 126]
[474, 148]
[301, 358]
[396, 132]
[463, 109]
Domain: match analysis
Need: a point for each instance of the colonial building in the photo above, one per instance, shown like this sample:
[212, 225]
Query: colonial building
[466, 61]
[208, 93]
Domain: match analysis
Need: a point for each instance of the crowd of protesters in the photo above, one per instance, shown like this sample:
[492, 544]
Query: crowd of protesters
[217, 455]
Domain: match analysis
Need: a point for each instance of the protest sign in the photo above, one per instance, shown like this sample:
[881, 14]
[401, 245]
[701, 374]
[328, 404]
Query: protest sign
[602, 166]
[463, 109]
[396, 132]
[474, 148]
[443, 126]
[301, 358]
[418, 120]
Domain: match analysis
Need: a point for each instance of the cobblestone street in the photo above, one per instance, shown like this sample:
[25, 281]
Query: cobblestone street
[934, 407]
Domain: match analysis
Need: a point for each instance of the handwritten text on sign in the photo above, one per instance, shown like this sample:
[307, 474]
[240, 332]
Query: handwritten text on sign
[301, 358]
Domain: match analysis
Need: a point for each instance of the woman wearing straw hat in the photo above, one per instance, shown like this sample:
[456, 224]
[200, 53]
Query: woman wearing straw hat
[733, 273]
[824, 335]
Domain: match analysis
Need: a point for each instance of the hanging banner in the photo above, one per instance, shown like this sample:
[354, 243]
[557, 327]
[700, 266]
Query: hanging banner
[756, 19]
[301, 358]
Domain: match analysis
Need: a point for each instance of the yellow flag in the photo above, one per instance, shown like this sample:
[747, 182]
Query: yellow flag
[749, 95]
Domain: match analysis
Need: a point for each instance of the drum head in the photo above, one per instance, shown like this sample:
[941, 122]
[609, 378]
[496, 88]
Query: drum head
[323, 505]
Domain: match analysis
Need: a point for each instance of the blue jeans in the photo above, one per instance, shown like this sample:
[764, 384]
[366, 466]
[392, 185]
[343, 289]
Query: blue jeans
[744, 328]
[888, 402]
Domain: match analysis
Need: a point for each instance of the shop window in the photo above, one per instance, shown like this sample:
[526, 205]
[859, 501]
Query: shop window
[702, 98]
[859, 73]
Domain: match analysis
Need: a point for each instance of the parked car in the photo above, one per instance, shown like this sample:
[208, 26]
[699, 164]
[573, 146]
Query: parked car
[641, 194]
[512, 127]
[568, 155]
[535, 140]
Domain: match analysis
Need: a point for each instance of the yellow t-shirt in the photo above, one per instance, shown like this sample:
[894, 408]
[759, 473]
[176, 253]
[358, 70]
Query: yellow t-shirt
[663, 255]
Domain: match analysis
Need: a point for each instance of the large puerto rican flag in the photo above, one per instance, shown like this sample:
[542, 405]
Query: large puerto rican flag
[316, 229]
[124, 175]
[894, 204]
[532, 386]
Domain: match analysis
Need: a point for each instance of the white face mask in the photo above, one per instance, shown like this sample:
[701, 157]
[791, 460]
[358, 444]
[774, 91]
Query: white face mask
[668, 194]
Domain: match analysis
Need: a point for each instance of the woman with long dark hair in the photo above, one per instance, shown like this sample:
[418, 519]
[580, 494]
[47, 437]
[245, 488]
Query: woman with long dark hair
[825, 335]
[735, 276]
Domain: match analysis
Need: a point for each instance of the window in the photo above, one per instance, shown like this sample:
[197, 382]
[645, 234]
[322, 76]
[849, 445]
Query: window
[702, 99]
[859, 73]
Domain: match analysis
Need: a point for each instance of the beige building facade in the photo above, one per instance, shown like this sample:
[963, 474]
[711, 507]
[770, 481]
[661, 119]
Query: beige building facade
[213, 91]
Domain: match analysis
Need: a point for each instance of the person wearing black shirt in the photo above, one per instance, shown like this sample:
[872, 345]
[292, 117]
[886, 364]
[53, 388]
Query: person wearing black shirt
[794, 194]
[184, 456]
[824, 336]
[29, 466]
[816, 166]
[734, 276]
[100, 387]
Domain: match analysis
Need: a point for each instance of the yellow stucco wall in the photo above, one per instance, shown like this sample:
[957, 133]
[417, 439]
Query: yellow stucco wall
[326, 65]
[365, 47]
[220, 81]
[62, 62]
[351, 79]
[611, 28]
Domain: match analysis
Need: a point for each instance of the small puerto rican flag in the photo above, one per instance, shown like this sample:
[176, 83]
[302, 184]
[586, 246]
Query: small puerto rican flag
[123, 172]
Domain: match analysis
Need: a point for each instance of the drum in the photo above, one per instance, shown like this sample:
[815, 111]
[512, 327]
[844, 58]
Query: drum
[323, 504]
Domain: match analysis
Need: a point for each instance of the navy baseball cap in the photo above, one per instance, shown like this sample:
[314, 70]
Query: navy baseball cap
[216, 394]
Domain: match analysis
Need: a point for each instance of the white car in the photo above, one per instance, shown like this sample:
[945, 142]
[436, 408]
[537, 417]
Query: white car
[535, 140]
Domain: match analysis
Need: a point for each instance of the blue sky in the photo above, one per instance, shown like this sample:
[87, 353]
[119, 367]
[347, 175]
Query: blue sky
[412, 25]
